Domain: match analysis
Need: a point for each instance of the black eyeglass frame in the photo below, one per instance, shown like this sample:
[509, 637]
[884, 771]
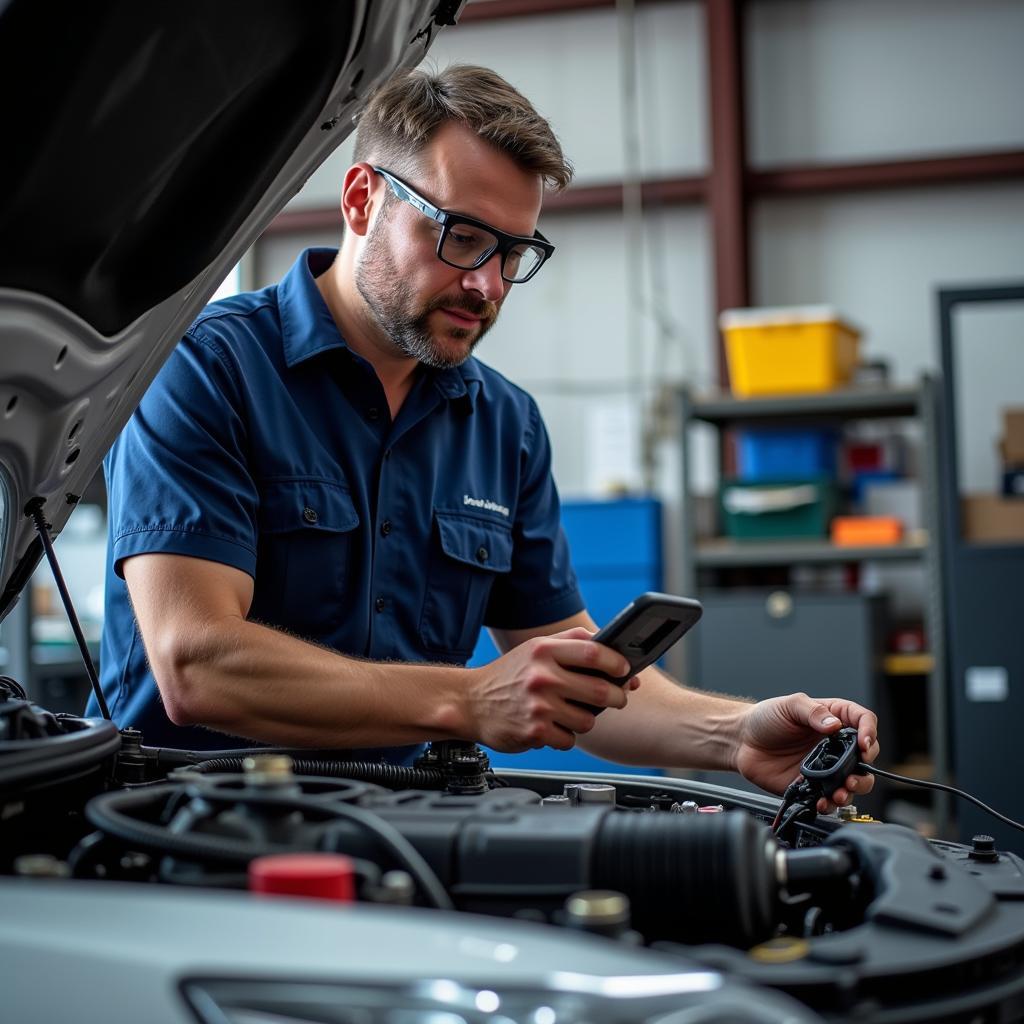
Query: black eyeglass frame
[448, 219]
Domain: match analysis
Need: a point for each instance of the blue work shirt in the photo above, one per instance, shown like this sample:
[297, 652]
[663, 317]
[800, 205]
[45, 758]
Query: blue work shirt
[265, 443]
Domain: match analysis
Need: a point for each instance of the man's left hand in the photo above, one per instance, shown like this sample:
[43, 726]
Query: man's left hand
[777, 734]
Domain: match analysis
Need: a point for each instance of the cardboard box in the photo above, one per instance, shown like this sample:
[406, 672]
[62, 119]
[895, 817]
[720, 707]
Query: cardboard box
[988, 518]
[1012, 444]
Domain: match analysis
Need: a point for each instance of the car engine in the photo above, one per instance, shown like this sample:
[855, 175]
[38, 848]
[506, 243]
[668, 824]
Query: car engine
[851, 919]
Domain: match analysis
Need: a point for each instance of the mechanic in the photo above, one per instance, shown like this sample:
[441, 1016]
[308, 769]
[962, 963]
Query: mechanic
[323, 496]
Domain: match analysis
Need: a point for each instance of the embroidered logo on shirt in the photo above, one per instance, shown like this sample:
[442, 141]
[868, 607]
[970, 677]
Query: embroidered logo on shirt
[491, 506]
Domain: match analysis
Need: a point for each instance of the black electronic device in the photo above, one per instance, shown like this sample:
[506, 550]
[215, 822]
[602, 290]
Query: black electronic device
[643, 631]
[826, 767]
[822, 772]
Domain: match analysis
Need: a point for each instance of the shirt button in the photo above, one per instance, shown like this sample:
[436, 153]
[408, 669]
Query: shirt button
[309, 514]
[482, 554]
[373, 414]
[387, 453]
[385, 527]
[379, 604]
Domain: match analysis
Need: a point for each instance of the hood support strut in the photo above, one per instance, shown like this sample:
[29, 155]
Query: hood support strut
[34, 510]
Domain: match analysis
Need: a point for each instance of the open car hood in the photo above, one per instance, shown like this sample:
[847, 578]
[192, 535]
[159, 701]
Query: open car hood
[146, 147]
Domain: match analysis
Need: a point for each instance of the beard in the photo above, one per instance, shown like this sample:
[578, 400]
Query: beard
[405, 320]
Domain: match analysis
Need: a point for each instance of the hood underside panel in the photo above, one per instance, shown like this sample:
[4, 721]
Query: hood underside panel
[119, 146]
[146, 146]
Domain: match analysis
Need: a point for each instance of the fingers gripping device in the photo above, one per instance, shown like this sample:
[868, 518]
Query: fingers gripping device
[822, 772]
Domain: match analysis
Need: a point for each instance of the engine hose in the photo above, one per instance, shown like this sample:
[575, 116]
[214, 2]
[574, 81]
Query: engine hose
[815, 867]
[710, 878]
[392, 776]
[11, 689]
[112, 813]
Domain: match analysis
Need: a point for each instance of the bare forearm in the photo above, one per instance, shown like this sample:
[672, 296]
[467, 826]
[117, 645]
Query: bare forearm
[670, 726]
[216, 668]
[248, 680]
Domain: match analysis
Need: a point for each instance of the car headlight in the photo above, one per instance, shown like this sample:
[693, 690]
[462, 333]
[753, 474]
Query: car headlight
[564, 998]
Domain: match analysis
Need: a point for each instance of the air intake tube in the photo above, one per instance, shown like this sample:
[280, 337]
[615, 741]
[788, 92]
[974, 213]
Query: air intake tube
[696, 878]
[709, 878]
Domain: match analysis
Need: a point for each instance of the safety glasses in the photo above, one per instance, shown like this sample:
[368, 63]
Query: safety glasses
[467, 243]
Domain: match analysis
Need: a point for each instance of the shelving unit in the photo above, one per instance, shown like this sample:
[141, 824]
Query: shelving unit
[722, 553]
[705, 559]
[52, 673]
[38, 649]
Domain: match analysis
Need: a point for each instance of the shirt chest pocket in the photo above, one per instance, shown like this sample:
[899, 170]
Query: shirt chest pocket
[307, 530]
[467, 554]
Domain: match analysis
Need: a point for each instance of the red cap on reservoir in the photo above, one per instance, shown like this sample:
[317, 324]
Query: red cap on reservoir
[325, 876]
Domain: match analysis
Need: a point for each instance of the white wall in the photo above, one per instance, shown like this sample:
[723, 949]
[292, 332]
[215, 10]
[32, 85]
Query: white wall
[569, 66]
[574, 339]
[988, 356]
[828, 81]
[835, 80]
[881, 256]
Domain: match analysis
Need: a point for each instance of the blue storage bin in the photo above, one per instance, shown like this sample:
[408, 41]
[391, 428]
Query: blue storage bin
[616, 551]
[608, 537]
[769, 455]
[870, 476]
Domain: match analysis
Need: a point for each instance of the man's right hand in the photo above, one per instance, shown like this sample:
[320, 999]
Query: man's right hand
[524, 699]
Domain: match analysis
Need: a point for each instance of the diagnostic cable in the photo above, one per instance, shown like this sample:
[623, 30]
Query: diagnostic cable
[825, 769]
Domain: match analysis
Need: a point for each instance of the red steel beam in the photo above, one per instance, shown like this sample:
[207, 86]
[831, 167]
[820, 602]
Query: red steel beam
[581, 198]
[726, 183]
[783, 181]
[493, 10]
[655, 192]
[886, 175]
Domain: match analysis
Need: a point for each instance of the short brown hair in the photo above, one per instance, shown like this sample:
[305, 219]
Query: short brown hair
[407, 110]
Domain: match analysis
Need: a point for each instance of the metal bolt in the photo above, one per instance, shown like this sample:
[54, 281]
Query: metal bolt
[396, 887]
[597, 909]
[268, 769]
[595, 793]
[983, 848]
[556, 801]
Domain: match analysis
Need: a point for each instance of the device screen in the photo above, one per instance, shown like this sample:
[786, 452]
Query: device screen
[653, 634]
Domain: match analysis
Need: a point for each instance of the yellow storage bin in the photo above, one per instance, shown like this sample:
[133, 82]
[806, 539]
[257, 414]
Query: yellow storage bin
[788, 350]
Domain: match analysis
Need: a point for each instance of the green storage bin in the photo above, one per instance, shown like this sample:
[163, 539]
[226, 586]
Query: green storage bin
[781, 510]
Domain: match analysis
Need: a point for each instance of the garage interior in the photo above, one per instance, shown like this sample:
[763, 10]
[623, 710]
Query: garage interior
[820, 164]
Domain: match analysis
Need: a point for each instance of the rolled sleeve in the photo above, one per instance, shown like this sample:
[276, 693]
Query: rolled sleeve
[177, 475]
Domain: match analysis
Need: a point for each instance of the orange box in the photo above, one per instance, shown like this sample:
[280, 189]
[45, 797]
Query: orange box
[865, 531]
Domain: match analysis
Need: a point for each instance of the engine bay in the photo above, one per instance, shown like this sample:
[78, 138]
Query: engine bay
[852, 918]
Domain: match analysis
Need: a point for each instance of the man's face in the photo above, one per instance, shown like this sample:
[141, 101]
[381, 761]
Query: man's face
[428, 310]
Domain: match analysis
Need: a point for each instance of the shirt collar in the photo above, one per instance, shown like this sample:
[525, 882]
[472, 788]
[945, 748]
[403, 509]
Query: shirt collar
[308, 329]
[460, 384]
